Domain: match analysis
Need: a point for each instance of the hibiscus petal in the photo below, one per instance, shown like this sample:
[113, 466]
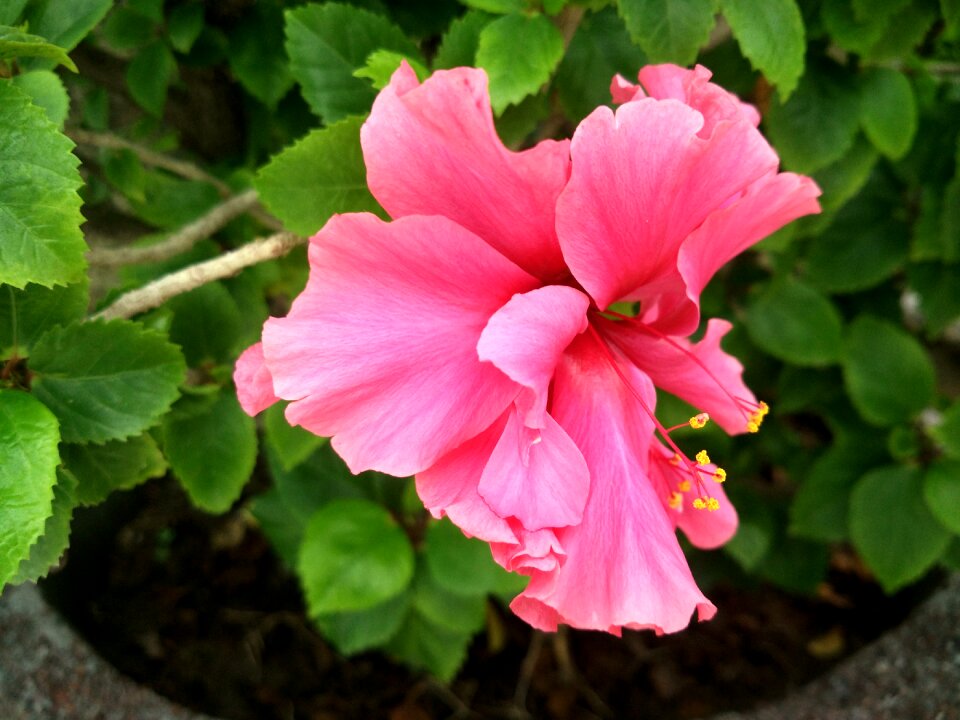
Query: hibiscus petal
[642, 181]
[701, 374]
[624, 566]
[526, 337]
[380, 348]
[253, 381]
[537, 550]
[693, 88]
[432, 149]
[765, 207]
[536, 475]
[450, 488]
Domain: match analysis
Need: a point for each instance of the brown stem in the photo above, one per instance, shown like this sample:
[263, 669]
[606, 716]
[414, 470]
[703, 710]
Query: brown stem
[159, 291]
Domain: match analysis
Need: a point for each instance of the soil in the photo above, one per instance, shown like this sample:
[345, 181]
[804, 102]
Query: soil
[199, 608]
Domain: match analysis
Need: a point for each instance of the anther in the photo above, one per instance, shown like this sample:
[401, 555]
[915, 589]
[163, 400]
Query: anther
[684, 486]
[699, 503]
[719, 475]
[675, 501]
[713, 504]
[699, 421]
[703, 458]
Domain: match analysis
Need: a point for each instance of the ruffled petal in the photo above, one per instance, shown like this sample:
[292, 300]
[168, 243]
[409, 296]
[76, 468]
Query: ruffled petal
[379, 350]
[432, 149]
[450, 488]
[535, 551]
[526, 337]
[537, 476]
[642, 181]
[693, 88]
[624, 566]
[701, 374]
[765, 207]
[253, 381]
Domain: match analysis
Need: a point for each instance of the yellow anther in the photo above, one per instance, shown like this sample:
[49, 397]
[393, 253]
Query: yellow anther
[699, 504]
[719, 475]
[700, 420]
[675, 501]
[675, 460]
[713, 504]
[703, 458]
[763, 408]
[684, 486]
[752, 427]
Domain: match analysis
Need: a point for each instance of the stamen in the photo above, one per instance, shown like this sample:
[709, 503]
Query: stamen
[680, 461]
[675, 501]
[699, 421]
[719, 475]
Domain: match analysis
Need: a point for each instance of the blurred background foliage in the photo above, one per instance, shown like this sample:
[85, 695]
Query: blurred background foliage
[197, 127]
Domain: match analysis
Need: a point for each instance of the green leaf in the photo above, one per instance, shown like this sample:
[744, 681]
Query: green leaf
[170, 203]
[49, 548]
[947, 433]
[750, 544]
[458, 46]
[28, 472]
[206, 324]
[819, 123]
[458, 612]
[860, 249]
[794, 322]
[41, 241]
[28, 313]
[941, 490]
[866, 9]
[459, 564]
[904, 32]
[888, 375]
[10, 10]
[513, 77]
[46, 90]
[821, 505]
[149, 75]
[257, 56]
[381, 65]
[843, 179]
[185, 23]
[14, 43]
[669, 30]
[796, 565]
[425, 644]
[855, 34]
[311, 484]
[152, 9]
[281, 527]
[892, 527]
[600, 49]
[938, 288]
[500, 7]
[105, 380]
[888, 111]
[354, 556]
[213, 451]
[320, 175]
[65, 22]
[353, 632]
[115, 465]
[293, 445]
[327, 43]
[125, 29]
[771, 36]
[951, 16]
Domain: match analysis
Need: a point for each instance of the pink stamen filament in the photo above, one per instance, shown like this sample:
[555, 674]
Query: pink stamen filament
[692, 467]
[738, 402]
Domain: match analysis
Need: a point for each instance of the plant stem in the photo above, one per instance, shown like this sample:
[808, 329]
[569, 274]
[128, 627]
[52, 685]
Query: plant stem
[184, 169]
[180, 241]
[182, 281]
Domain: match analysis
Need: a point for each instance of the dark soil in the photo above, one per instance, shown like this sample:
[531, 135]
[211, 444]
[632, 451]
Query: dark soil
[199, 608]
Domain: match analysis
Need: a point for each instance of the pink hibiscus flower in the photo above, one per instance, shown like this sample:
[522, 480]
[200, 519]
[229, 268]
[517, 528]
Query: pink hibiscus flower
[470, 341]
